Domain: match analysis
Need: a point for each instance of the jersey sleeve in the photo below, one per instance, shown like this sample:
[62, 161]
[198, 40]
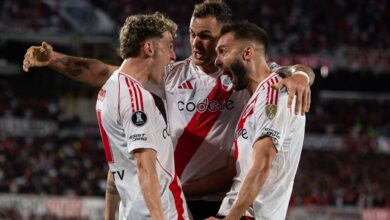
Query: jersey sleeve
[137, 115]
[272, 119]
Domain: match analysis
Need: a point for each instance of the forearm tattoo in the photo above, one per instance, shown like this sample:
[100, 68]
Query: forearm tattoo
[71, 66]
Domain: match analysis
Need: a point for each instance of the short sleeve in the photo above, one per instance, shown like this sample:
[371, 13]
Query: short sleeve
[272, 119]
[137, 116]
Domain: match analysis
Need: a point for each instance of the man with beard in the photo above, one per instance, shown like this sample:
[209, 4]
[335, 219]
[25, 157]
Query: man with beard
[201, 105]
[268, 138]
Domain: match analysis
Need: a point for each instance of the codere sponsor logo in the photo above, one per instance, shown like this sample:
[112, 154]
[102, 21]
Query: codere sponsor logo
[241, 132]
[205, 105]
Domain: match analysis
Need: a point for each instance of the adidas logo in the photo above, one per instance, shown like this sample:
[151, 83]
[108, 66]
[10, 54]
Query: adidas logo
[186, 85]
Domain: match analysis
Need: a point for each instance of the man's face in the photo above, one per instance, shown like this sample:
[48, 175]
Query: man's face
[229, 58]
[204, 33]
[164, 54]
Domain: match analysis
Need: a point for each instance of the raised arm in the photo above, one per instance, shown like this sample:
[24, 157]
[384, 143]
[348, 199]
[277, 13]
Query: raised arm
[112, 198]
[263, 154]
[287, 71]
[150, 186]
[217, 181]
[86, 70]
[297, 79]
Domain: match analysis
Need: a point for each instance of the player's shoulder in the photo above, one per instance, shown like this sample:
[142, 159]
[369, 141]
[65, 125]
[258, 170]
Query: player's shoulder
[132, 87]
[112, 79]
[267, 94]
[172, 68]
[266, 84]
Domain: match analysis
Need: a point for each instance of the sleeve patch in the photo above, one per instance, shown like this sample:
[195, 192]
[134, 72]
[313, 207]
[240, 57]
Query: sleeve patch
[270, 111]
[272, 133]
[138, 137]
[139, 118]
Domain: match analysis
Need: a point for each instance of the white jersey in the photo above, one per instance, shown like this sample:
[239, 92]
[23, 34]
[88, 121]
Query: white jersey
[203, 111]
[128, 120]
[266, 114]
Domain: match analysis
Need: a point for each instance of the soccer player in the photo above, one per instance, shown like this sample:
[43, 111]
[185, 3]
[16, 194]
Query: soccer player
[202, 107]
[268, 138]
[138, 149]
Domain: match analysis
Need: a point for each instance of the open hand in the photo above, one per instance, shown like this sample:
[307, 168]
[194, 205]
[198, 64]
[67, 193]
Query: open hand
[37, 56]
[296, 85]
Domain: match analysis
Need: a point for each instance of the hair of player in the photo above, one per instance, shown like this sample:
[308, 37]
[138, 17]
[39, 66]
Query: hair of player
[140, 27]
[217, 8]
[245, 30]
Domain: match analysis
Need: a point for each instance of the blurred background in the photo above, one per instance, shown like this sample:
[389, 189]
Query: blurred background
[52, 163]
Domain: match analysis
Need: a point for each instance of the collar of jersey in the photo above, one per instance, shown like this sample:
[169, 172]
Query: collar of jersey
[214, 74]
[265, 80]
[131, 78]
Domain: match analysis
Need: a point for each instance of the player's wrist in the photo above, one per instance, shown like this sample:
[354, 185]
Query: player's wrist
[54, 56]
[302, 74]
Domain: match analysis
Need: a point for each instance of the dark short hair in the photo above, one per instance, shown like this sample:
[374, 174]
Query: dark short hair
[245, 30]
[217, 8]
[140, 27]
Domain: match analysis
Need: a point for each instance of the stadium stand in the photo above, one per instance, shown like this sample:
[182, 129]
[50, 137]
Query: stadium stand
[49, 140]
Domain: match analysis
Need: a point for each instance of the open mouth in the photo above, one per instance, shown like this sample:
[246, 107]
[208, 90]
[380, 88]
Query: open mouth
[198, 55]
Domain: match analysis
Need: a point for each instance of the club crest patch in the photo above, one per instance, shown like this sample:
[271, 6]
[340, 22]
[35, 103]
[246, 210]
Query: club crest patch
[226, 82]
[139, 118]
[270, 111]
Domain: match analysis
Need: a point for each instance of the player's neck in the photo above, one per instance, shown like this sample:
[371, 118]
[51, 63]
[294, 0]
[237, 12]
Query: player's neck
[138, 68]
[257, 77]
[209, 69]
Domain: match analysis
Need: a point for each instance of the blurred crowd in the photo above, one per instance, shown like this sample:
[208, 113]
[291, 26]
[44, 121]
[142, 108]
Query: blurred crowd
[32, 15]
[341, 178]
[52, 165]
[71, 161]
[352, 118]
[298, 26]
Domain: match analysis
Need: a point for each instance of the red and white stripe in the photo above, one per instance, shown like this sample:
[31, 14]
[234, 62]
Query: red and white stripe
[106, 141]
[136, 99]
[186, 85]
[176, 191]
[272, 94]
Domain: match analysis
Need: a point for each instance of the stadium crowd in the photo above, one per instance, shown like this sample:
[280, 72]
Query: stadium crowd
[350, 118]
[54, 163]
[340, 178]
[295, 26]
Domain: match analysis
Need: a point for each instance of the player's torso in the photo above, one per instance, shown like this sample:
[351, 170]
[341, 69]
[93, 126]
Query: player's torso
[275, 193]
[112, 97]
[202, 111]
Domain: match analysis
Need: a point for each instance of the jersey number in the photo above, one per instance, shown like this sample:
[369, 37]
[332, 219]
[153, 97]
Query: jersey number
[103, 134]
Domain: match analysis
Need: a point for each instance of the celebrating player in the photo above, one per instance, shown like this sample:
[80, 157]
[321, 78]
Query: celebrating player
[138, 150]
[202, 107]
[268, 138]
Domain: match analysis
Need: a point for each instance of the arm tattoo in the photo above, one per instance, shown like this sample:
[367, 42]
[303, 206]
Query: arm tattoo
[284, 71]
[72, 67]
[111, 188]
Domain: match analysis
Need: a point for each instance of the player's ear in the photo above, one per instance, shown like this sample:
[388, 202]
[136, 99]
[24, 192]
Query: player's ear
[148, 48]
[248, 53]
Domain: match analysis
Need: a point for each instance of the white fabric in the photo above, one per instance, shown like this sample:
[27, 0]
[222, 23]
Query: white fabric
[186, 90]
[132, 121]
[287, 132]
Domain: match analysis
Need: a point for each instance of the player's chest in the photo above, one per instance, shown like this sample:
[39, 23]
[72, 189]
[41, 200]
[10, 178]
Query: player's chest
[246, 126]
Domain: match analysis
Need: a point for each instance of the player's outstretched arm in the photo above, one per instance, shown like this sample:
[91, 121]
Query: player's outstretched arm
[86, 70]
[217, 181]
[112, 198]
[297, 79]
[150, 186]
[263, 154]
